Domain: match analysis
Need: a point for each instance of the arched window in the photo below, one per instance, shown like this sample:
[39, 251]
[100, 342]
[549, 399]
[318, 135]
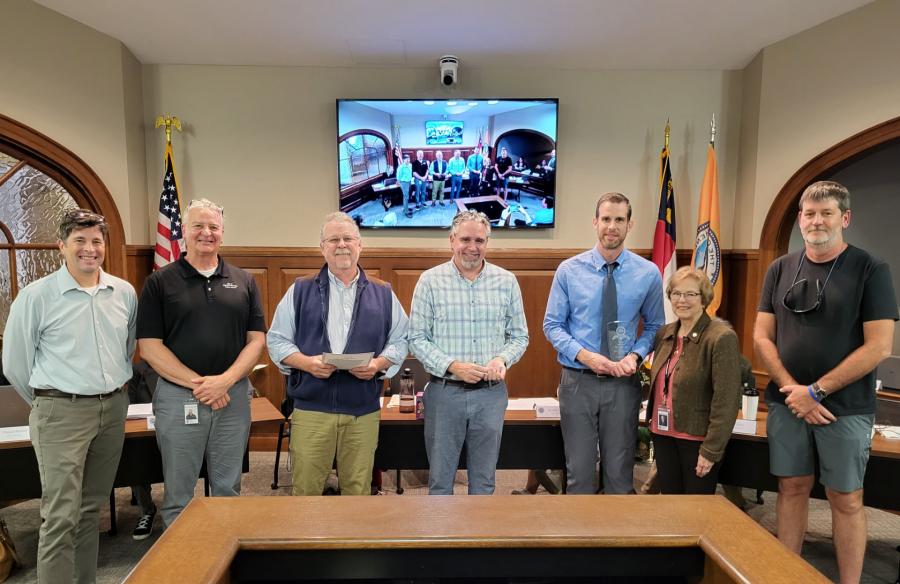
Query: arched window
[362, 155]
[39, 181]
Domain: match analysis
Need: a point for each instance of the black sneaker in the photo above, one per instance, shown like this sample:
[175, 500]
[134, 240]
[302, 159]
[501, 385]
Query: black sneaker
[144, 526]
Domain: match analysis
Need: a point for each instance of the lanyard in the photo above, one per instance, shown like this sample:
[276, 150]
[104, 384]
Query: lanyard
[667, 374]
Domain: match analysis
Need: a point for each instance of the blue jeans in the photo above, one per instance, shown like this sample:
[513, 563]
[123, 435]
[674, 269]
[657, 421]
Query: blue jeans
[420, 192]
[454, 416]
[474, 183]
[455, 186]
[404, 188]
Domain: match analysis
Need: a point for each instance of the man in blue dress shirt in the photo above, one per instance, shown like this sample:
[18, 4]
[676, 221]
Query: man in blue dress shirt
[599, 296]
[67, 351]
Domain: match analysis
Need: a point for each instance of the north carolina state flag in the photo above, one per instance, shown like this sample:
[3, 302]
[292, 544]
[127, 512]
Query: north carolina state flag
[664, 236]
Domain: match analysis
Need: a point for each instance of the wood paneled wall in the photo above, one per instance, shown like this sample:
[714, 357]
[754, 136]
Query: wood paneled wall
[537, 374]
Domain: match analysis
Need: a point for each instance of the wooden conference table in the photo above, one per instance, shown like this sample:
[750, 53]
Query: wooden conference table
[270, 539]
[140, 463]
[531, 443]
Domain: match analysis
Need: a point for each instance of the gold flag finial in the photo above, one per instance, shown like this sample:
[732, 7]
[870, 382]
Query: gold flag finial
[712, 131]
[168, 121]
[668, 131]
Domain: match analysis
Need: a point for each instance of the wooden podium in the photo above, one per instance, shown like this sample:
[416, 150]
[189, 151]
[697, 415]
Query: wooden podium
[660, 538]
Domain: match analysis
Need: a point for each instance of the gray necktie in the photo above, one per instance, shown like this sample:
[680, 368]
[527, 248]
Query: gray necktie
[610, 306]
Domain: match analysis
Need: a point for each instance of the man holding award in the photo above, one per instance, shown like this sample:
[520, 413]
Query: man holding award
[592, 317]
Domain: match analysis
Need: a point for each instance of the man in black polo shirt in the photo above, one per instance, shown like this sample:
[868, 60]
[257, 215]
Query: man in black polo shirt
[201, 327]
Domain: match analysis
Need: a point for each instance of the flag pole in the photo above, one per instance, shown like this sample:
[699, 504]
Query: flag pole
[168, 121]
[668, 131]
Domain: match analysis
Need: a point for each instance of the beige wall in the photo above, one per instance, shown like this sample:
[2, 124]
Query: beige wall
[818, 88]
[70, 82]
[261, 141]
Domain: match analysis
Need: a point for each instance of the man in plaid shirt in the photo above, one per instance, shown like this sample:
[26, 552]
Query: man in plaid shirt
[467, 327]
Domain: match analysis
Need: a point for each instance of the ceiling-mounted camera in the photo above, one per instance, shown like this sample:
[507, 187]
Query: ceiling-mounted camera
[449, 67]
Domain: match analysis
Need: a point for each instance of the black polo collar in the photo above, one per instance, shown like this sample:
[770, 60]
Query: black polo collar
[189, 271]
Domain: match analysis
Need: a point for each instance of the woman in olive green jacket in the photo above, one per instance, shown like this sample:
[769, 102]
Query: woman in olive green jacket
[695, 389]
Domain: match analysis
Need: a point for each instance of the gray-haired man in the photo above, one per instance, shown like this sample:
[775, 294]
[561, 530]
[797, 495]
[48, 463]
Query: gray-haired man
[201, 327]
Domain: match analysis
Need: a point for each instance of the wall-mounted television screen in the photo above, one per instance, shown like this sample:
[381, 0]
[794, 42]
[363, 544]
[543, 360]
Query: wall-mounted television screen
[438, 133]
[418, 162]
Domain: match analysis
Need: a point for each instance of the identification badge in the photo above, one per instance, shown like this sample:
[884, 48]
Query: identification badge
[662, 418]
[191, 413]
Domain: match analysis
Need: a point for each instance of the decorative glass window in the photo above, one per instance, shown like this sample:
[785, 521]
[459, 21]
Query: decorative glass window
[361, 157]
[31, 207]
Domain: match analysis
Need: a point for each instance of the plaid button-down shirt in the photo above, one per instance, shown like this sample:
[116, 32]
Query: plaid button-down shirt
[454, 319]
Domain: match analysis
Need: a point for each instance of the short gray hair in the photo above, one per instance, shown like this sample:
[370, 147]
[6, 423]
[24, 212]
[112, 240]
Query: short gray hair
[206, 204]
[337, 216]
[827, 189]
[476, 216]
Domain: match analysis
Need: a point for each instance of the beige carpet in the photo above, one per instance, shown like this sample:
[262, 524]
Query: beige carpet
[118, 554]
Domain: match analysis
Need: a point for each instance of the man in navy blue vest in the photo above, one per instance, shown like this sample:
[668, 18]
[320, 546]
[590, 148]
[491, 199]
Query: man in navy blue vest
[336, 411]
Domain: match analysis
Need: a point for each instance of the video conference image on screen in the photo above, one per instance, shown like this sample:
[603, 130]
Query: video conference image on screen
[417, 163]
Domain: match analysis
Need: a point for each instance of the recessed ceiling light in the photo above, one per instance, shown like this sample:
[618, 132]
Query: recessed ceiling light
[429, 102]
[473, 103]
[451, 103]
[492, 102]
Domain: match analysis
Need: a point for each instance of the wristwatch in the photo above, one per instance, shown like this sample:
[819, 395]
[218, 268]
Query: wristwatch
[637, 358]
[820, 393]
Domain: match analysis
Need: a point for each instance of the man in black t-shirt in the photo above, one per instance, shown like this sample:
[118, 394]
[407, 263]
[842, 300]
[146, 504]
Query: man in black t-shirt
[420, 174]
[502, 168]
[201, 327]
[826, 319]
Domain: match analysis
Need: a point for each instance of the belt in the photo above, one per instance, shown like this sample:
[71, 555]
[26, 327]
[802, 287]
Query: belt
[588, 372]
[463, 384]
[63, 394]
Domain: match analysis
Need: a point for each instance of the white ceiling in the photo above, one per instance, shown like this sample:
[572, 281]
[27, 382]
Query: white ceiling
[564, 34]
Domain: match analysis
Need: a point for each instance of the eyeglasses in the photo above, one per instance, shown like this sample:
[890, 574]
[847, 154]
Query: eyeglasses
[83, 215]
[820, 290]
[337, 240]
[686, 295]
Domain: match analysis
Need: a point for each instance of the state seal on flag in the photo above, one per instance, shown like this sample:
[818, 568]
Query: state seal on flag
[708, 257]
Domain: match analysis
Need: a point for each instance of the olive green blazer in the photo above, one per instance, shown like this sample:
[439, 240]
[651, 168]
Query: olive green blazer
[706, 384]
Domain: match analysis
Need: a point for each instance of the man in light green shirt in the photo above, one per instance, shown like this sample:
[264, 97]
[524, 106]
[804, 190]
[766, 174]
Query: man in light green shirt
[67, 351]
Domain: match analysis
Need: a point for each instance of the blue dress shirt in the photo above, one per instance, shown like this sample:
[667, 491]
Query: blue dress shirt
[574, 313]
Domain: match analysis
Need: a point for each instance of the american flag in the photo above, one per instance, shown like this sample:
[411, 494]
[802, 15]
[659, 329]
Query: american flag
[169, 239]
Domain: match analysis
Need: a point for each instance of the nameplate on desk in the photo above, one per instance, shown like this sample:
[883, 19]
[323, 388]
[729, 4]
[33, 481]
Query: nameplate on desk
[742, 426]
[546, 411]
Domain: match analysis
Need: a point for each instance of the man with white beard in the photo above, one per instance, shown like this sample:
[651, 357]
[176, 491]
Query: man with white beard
[336, 412]
[467, 327]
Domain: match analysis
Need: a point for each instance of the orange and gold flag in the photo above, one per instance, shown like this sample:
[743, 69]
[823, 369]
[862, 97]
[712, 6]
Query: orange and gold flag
[707, 251]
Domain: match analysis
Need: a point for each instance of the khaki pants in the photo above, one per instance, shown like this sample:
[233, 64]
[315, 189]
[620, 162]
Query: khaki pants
[78, 443]
[317, 438]
[437, 190]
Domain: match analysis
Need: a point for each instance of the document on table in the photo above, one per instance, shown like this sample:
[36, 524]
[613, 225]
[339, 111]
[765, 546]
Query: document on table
[138, 411]
[889, 432]
[529, 403]
[14, 434]
[348, 360]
